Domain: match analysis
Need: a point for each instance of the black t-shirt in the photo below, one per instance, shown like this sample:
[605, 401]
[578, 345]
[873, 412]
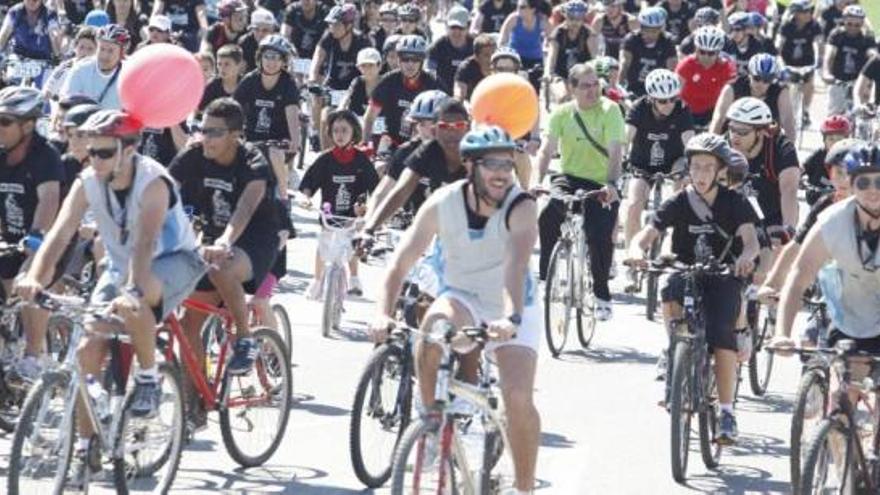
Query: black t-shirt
[645, 59]
[688, 47]
[395, 97]
[444, 59]
[814, 168]
[72, 167]
[429, 161]
[216, 36]
[183, 14]
[784, 157]
[264, 110]
[657, 143]
[832, 18]
[872, 72]
[396, 166]
[696, 4]
[18, 187]
[342, 63]
[730, 211]
[77, 10]
[614, 34]
[742, 55]
[340, 184]
[470, 74]
[158, 145]
[742, 88]
[852, 53]
[248, 44]
[305, 33]
[570, 52]
[797, 45]
[493, 16]
[677, 22]
[358, 98]
[813, 215]
[213, 90]
[214, 190]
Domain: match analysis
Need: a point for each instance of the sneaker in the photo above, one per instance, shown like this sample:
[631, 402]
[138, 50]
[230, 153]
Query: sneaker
[612, 272]
[632, 281]
[147, 395]
[662, 363]
[243, 355]
[727, 431]
[354, 287]
[26, 370]
[603, 310]
[313, 293]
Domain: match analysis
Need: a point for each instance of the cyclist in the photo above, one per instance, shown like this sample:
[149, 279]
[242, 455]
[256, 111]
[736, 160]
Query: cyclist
[124, 13]
[746, 45]
[33, 31]
[705, 208]
[57, 136]
[342, 174]
[188, 18]
[389, 53]
[705, 16]
[761, 82]
[657, 127]
[798, 43]
[589, 135]
[231, 26]
[229, 66]
[486, 279]
[75, 159]
[832, 16]
[613, 24]
[834, 129]
[570, 43]
[705, 73]
[397, 89]
[98, 77]
[647, 49]
[30, 179]
[867, 90]
[151, 251]
[410, 20]
[263, 24]
[449, 51]
[772, 157]
[678, 17]
[304, 25]
[475, 67]
[526, 31]
[369, 64]
[847, 50]
[608, 70]
[388, 22]
[85, 45]
[159, 31]
[490, 15]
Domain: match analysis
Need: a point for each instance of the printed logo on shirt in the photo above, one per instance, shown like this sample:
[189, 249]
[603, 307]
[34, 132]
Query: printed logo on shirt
[220, 184]
[14, 222]
[701, 229]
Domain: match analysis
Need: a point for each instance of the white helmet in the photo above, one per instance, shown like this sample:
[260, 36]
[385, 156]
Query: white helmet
[710, 39]
[751, 111]
[662, 84]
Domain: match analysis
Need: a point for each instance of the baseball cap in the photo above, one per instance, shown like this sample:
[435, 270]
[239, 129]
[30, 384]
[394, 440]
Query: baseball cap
[458, 16]
[369, 56]
[160, 22]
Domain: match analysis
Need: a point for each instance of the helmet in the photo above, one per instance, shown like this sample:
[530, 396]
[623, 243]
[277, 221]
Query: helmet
[390, 44]
[262, 16]
[345, 13]
[652, 17]
[71, 101]
[97, 18]
[854, 11]
[412, 44]
[388, 8]
[836, 124]
[112, 123]
[739, 20]
[840, 149]
[709, 143]
[77, 115]
[662, 84]
[706, 16]
[764, 66]
[480, 141]
[426, 104]
[751, 111]
[409, 12]
[738, 167]
[114, 33]
[709, 38]
[21, 102]
[275, 42]
[228, 7]
[797, 6]
[574, 8]
[506, 52]
[862, 160]
[604, 66]
[369, 55]
[757, 20]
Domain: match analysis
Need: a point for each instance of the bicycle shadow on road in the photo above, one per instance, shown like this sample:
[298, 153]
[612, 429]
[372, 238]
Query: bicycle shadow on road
[264, 479]
[737, 479]
[305, 402]
[769, 403]
[751, 444]
[608, 355]
[556, 441]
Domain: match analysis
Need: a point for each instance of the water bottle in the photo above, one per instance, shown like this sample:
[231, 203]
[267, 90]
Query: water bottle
[100, 398]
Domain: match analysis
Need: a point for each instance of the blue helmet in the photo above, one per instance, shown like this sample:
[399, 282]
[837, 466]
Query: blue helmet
[862, 160]
[652, 17]
[739, 20]
[706, 16]
[97, 18]
[575, 8]
[764, 66]
[485, 139]
[412, 44]
[757, 20]
[426, 104]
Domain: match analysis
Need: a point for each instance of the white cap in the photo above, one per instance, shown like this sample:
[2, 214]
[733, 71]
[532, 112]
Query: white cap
[161, 22]
[369, 56]
[458, 16]
[262, 16]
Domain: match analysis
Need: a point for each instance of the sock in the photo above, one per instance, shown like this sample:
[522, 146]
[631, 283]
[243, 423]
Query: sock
[726, 408]
[82, 443]
[148, 374]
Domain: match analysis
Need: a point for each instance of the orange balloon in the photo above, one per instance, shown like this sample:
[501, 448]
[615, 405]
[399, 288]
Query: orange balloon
[508, 101]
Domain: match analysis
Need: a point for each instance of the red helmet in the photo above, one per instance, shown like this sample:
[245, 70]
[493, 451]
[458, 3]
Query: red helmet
[112, 123]
[836, 124]
[114, 33]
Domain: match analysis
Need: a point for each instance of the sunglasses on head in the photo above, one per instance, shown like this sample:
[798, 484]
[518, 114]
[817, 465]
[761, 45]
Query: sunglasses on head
[864, 183]
[102, 153]
[740, 131]
[461, 125]
[496, 164]
[7, 121]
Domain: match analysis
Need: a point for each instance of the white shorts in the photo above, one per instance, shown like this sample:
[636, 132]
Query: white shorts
[530, 330]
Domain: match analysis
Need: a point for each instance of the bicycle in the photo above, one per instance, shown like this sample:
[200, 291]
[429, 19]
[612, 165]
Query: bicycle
[865, 119]
[144, 452]
[761, 331]
[435, 454]
[23, 71]
[339, 250]
[797, 77]
[569, 283]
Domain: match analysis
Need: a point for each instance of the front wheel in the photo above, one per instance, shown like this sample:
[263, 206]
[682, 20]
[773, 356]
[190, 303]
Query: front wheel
[586, 311]
[708, 420]
[761, 361]
[333, 288]
[680, 410]
[652, 279]
[421, 463]
[809, 407]
[283, 321]
[558, 301]
[820, 474]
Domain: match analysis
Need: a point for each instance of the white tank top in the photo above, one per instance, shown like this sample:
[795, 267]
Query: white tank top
[111, 217]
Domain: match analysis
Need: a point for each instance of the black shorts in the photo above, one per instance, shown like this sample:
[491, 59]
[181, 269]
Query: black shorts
[10, 265]
[722, 297]
[261, 252]
[870, 345]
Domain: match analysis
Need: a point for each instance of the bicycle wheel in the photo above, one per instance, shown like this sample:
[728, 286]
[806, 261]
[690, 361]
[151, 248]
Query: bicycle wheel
[558, 297]
[257, 406]
[708, 420]
[809, 406]
[680, 410]
[421, 464]
[819, 474]
[586, 312]
[147, 451]
[283, 320]
[797, 109]
[331, 300]
[380, 414]
[43, 443]
[652, 280]
[761, 361]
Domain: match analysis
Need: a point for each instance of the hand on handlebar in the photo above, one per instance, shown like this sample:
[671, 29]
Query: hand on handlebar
[501, 330]
[743, 266]
[380, 328]
[27, 288]
[609, 196]
[782, 345]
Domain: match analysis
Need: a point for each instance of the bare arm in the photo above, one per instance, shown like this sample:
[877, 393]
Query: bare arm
[721, 107]
[48, 198]
[749, 236]
[811, 258]
[179, 137]
[504, 34]
[154, 204]
[630, 133]
[5, 33]
[863, 90]
[788, 189]
[523, 236]
[830, 53]
[291, 113]
[370, 120]
[202, 17]
[317, 62]
[593, 43]
[459, 90]
[642, 241]
[247, 204]
[402, 191]
[60, 234]
[615, 159]
[782, 265]
[386, 184]
[786, 113]
[477, 22]
[686, 136]
[625, 61]
[552, 55]
[158, 7]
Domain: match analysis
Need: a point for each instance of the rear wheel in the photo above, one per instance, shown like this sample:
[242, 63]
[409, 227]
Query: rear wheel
[586, 312]
[761, 361]
[809, 408]
[558, 297]
[680, 410]
[819, 473]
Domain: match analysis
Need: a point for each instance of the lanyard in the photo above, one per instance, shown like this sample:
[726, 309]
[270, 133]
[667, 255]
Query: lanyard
[123, 225]
[866, 254]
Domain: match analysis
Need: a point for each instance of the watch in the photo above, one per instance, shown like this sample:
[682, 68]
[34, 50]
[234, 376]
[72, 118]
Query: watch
[134, 290]
[515, 318]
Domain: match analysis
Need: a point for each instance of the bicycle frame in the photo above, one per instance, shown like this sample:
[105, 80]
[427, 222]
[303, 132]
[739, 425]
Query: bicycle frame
[572, 231]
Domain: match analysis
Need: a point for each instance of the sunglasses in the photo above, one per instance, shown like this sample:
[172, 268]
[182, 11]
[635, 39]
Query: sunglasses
[523, 6]
[495, 164]
[864, 183]
[740, 131]
[853, 24]
[389, 19]
[7, 121]
[505, 68]
[102, 153]
[707, 53]
[663, 101]
[587, 85]
[461, 125]
[409, 60]
[271, 56]
[765, 80]
[156, 30]
[214, 132]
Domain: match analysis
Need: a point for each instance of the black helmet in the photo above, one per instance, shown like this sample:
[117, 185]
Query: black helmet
[711, 144]
[78, 115]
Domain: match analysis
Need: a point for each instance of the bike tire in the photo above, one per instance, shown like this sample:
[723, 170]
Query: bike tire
[493, 449]
[761, 361]
[413, 441]
[284, 328]
[810, 379]
[123, 476]
[331, 292]
[276, 363]
[381, 355]
[708, 421]
[29, 417]
[556, 337]
[816, 462]
[680, 411]
[585, 316]
[652, 280]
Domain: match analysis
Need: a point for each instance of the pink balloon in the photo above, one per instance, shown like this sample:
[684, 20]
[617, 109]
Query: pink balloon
[161, 84]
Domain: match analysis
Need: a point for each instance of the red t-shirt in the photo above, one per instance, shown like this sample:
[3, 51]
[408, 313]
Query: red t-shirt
[702, 85]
